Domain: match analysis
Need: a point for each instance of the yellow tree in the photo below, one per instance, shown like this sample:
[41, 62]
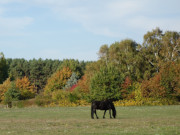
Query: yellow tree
[58, 80]
[27, 90]
[4, 87]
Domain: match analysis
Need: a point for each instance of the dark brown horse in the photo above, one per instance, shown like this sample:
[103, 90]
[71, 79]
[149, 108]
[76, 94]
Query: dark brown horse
[103, 105]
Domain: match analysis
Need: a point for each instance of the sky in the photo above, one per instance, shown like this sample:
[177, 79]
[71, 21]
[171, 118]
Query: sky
[76, 29]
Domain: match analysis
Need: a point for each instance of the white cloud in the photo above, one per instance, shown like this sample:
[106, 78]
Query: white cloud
[10, 25]
[145, 23]
[109, 18]
[97, 18]
[14, 25]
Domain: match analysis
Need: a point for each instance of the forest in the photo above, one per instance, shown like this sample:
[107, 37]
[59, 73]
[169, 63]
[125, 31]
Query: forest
[126, 72]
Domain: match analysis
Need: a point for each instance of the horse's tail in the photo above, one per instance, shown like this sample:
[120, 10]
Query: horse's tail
[113, 110]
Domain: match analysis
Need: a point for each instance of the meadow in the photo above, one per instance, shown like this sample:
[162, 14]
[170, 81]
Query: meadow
[144, 120]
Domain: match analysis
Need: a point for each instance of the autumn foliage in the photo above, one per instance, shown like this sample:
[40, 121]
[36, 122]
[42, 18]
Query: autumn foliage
[166, 83]
[26, 89]
[4, 87]
[84, 83]
[134, 74]
[58, 80]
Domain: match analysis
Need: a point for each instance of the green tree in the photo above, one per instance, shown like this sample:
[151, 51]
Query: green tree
[12, 94]
[104, 53]
[171, 46]
[158, 48]
[74, 65]
[3, 68]
[37, 74]
[123, 55]
[106, 84]
[18, 68]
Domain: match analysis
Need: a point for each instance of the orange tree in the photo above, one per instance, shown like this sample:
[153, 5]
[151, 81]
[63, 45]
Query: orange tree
[166, 83]
[26, 89]
[58, 80]
[3, 88]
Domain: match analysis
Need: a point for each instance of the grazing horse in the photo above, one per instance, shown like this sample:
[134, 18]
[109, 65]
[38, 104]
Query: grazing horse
[103, 105]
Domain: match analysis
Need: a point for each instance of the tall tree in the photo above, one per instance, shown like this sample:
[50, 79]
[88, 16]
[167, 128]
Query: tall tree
[152, 46]
[18, 68]
[171, 46]
[122, 55]
[3, 68]
[104, 53]
[37, 74]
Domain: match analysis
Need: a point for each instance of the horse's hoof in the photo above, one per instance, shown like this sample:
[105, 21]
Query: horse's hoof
[103, 117]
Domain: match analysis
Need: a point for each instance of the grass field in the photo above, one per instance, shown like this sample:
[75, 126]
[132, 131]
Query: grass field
[155, 120]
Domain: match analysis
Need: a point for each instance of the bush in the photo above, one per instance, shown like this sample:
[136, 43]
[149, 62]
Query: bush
[42, 100]
[11, 95]
[24, 103]
[146, 101]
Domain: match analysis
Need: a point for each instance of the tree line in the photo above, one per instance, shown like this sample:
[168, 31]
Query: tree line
[125, 70]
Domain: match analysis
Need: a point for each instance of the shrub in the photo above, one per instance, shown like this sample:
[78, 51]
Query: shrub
[43, 100]
[11, 95]
[146, 101]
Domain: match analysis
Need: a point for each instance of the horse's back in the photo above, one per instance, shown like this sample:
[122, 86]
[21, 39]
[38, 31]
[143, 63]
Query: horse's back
[101, 105]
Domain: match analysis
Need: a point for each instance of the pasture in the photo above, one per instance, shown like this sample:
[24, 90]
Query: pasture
[155, 120]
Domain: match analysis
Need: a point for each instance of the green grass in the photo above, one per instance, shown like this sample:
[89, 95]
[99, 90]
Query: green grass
[155, 120]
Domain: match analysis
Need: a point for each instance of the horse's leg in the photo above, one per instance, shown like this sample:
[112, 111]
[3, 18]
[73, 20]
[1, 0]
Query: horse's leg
[104, 114]
[110, 113]
[96, 114]
[92, 113]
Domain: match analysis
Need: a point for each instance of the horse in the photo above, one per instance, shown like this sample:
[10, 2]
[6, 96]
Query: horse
[103, 105]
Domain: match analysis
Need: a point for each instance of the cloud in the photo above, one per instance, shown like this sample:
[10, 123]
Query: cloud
[14, 25]
[113, 18]
[11, 25]
[145, 23]
[101, 17]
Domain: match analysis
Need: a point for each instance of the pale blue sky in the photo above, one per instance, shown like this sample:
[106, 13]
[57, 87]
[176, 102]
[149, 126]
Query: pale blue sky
[60, 29]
